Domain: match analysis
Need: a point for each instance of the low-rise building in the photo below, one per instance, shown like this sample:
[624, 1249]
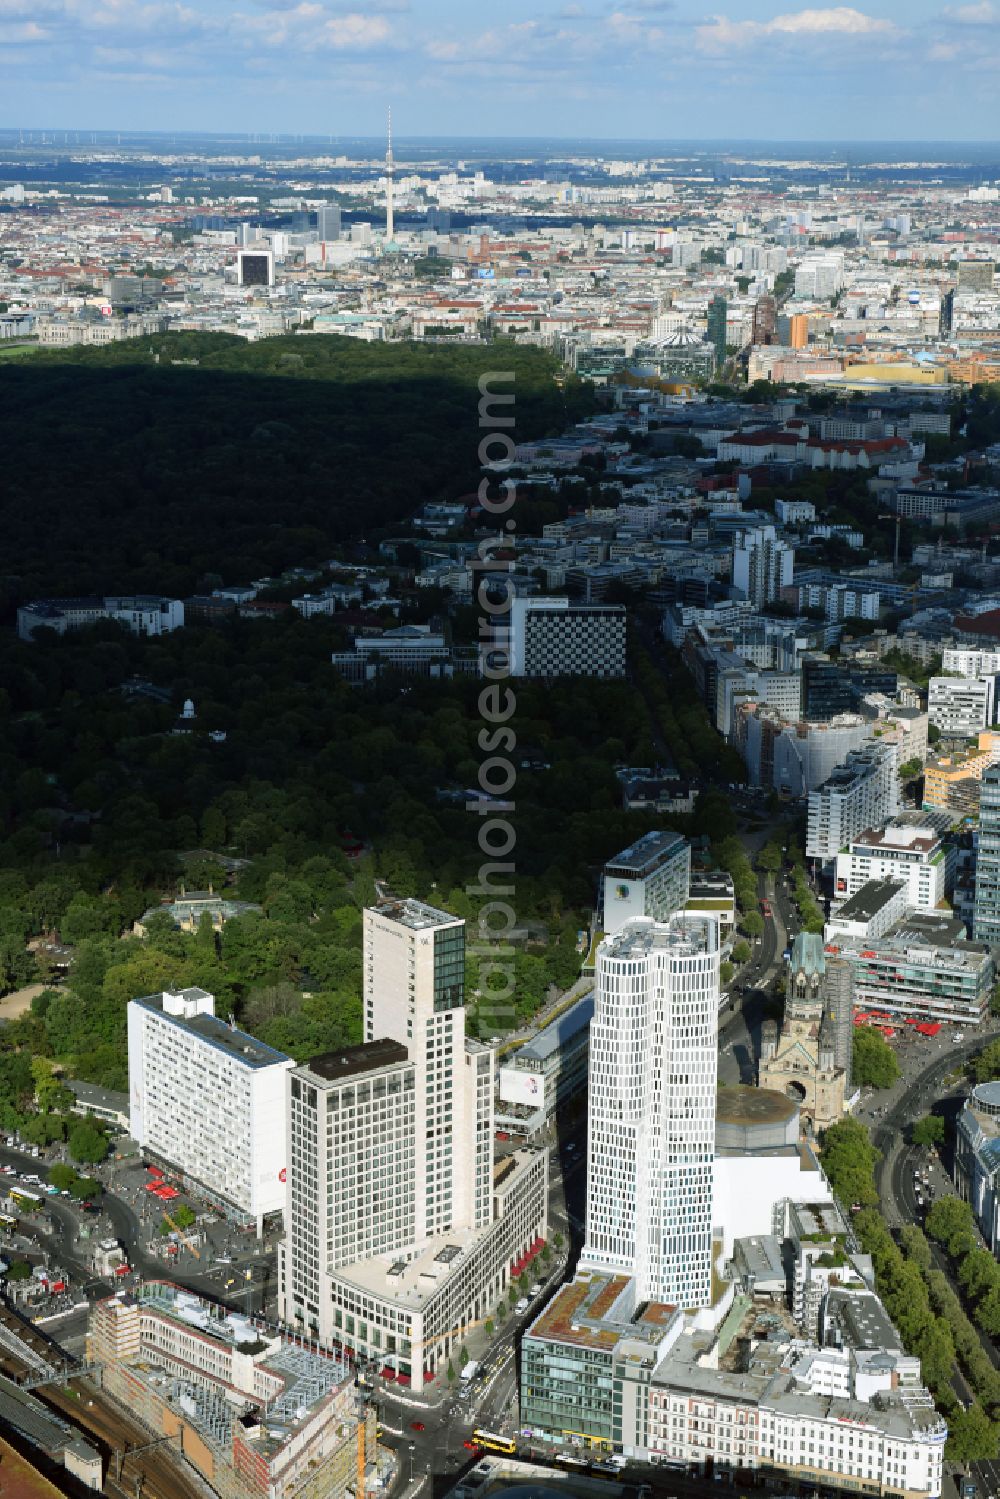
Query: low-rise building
[870, 912]
[923, 970]
[601, 1372]
[142, 614]
[911, 849]
[951, 782]
[546, 1072]
[257, 1413]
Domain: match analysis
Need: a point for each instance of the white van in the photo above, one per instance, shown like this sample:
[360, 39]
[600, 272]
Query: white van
[521, 1307]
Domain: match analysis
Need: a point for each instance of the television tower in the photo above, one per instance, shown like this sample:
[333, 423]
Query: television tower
[390, 226]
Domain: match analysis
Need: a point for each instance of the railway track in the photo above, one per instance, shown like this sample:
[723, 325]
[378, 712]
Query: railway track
[78, 1399]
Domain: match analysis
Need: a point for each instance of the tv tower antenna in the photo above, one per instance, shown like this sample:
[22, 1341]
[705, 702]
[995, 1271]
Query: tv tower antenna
[389, 221]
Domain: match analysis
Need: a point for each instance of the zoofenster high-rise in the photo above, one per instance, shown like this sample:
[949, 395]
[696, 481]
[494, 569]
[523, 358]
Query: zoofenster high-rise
[414, 993]
[653, 1064]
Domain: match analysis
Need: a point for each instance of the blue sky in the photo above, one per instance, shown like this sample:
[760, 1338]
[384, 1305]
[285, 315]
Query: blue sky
[888, 69]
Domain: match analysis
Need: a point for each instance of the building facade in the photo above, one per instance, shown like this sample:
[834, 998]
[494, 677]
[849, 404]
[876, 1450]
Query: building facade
[400, 1233]
[762, 565]
[652, 877]
[546, 1072]
[208, 1101]
[977, 1159]
[961, 706]
[653, 1061]
[862, 793]
[923, 970]
[554, 637]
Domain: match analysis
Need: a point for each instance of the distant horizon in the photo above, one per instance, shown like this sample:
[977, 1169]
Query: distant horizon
[789, 69]
[290, 137]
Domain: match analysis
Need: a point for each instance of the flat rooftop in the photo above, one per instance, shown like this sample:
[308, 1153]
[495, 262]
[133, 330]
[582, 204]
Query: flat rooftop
[410, 1283]
[746, 1105]
[584, 1313]
[900, 837]
[415, 914]
[556, 1035]
[685, 934]
[868, 901]
[243, 1048]
[645, 854]
[350, 1061]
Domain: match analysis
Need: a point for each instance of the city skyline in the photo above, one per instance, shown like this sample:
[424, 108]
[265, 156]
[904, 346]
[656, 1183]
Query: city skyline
[642, 68]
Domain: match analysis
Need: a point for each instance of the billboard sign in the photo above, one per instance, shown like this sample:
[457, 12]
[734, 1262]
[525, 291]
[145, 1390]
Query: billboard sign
[517, 1086]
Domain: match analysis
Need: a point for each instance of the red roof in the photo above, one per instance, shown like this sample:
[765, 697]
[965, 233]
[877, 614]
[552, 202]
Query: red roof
[979, 624]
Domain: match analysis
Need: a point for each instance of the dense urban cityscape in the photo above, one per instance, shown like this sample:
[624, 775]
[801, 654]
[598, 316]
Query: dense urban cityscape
[500, 845]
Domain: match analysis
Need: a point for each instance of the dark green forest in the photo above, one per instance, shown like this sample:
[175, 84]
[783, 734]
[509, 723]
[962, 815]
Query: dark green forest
[136, 471]
[157, 462]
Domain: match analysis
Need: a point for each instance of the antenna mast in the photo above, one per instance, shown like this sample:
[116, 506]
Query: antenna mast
[390, 226]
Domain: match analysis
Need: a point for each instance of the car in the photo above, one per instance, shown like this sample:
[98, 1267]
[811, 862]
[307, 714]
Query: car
[417, 1426]
[471, 1446]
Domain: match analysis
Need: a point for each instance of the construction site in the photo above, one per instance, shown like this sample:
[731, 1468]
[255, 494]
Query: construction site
[251, 1412]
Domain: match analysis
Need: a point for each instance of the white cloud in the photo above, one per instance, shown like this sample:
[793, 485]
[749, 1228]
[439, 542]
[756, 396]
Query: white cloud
[981, 14]
[22, 31]
[722, 34]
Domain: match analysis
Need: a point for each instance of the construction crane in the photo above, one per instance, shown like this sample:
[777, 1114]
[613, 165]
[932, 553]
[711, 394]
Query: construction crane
[361, 1410]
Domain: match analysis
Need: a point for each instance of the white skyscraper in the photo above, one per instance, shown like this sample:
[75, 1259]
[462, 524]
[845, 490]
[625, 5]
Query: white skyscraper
[762, 564]
[653, 1059]
[414, 993]
[208, 1101]
[399, 1239]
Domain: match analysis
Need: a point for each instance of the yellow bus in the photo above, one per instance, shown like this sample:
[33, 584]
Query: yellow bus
[494, 1443]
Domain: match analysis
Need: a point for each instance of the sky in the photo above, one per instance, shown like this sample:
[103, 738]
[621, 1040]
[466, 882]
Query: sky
[641, 69]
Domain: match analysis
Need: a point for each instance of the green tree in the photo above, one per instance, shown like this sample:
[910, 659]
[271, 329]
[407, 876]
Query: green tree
[741, 952]
[85, 1188]
[849, 1159]
[949, 1221]
[489, 1327]
[972, 1437]
[874, 1063]
[87, 1144]
[451, 1371]
[62, 1176]
[726, 971]
[19, 1270]
[753, 924]
[769, 859]
[929, 1130]
[913, 1243]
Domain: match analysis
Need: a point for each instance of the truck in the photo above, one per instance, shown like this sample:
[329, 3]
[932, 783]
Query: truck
[470, 1371]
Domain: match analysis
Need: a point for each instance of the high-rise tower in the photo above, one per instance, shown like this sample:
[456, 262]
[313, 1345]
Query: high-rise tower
[390, 226]
[653, 1061]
